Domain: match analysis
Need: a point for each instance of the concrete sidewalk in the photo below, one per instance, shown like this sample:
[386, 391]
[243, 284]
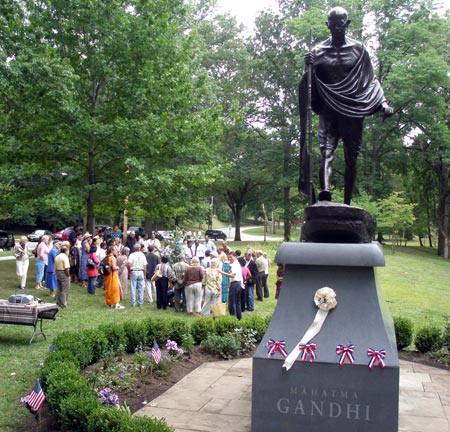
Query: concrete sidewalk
[216, 397]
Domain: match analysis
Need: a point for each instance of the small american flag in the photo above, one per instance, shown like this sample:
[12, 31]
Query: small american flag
[36, 398]
[156, 352]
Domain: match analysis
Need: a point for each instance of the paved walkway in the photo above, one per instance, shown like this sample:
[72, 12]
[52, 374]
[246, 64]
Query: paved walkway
[217, 397]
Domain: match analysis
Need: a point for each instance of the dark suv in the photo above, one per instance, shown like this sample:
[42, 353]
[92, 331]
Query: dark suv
[215, 234]
[7, 241]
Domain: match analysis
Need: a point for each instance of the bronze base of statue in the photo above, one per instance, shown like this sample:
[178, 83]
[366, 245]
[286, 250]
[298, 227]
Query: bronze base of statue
[328, 222]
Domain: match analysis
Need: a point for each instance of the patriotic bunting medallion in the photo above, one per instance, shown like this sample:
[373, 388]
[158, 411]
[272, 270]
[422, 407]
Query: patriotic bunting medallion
[308, 350]
[376, 356]
[346, 352]
[273, 346]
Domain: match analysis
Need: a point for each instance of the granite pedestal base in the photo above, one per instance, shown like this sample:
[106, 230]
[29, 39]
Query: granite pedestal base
[323, 396]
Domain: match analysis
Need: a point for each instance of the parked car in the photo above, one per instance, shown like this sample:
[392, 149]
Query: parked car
[166, 235]
[138, 230]
[159, 235]
[215, 234]
[7, 241]
[63, 235]
[37, 234]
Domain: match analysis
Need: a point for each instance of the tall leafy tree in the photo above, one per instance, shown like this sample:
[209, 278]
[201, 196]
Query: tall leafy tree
[108, 89]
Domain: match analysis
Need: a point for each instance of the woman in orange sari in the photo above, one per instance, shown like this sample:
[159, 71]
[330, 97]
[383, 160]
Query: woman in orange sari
[112, 285]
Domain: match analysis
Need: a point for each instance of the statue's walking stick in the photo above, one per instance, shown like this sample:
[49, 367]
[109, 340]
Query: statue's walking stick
[310, 126]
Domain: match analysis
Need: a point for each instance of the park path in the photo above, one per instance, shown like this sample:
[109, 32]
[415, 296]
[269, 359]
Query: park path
[217, 397]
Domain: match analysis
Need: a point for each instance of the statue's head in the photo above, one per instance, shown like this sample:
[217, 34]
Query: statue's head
[337, 20]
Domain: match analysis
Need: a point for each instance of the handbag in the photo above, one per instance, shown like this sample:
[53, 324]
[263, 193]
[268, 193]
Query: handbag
[90, 263]
[219, 309]
[157, 275]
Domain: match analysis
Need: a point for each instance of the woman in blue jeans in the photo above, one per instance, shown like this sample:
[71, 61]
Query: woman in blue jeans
[41, 260]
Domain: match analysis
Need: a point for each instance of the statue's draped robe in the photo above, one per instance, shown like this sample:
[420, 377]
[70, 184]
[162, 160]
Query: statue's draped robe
[358, 95]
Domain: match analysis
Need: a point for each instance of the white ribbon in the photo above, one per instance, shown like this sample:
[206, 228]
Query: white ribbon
[325, 300]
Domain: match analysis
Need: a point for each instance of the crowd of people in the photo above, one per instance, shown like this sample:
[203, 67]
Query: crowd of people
[190, 275]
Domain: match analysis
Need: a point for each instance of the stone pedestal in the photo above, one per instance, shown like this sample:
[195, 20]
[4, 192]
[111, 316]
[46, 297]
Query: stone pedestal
[322, 395]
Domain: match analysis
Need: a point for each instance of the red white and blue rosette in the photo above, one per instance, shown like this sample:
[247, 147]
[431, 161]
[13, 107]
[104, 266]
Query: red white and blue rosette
[376, 357]
[274, 345]
[346, 353]
[308, 351]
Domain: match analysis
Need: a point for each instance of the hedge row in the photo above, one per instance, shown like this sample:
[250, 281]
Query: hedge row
[76, 405]
[429, 338]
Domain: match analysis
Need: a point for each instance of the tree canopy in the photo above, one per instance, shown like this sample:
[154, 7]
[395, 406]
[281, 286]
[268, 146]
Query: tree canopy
[167, 103]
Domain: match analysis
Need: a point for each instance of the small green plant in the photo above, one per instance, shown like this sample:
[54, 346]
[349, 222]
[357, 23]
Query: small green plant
[143, 360]
[446, 335]
[258, 323]
[428, 339]
[187, 342]
[246, 338]
[403, 332]
[111, 355]
[163, 367]
[226, 346]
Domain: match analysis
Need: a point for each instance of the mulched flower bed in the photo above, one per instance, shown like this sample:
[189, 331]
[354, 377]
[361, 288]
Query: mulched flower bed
[150, 386]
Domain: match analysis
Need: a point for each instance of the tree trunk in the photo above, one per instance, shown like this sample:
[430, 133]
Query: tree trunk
[430, 241]
[237, 223]
[443, 216]
[287, 213]
[272, 227]
[90, 200]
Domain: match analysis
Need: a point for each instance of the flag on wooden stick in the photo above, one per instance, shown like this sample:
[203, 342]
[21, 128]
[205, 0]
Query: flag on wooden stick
[156, 352]
[35, 399]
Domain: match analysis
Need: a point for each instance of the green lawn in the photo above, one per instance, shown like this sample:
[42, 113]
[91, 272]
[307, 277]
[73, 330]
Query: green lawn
[414, 283]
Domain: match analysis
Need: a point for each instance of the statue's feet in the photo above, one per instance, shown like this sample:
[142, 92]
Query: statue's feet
[325, 195]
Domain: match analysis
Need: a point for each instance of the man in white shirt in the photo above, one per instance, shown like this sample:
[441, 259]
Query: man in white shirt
[209, 244]
[137, 267]
[188, 251]
[199, 250]
[234, 295]
[154, 242]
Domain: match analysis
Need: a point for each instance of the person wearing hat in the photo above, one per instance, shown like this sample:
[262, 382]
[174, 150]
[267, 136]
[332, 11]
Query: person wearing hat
[22, 261]
[86, 241]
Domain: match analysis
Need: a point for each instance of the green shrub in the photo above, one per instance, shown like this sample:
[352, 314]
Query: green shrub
[74, 410]
[96, 340]
[177, 328]
[403, 332]
[136, 333]
[63, 381]
[57, 358]
[117, 420]
[115, 335]
[257, 323]
[157, 329]
[201, 328]
[226, 346]
[428, 339]
[226, 324]
[71, 341]
[446, 335]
